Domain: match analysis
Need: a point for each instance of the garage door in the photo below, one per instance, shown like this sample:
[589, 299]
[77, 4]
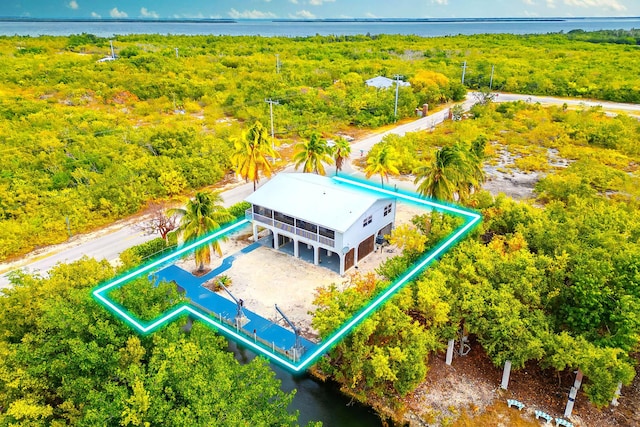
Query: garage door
[366, 247]
[348, 259]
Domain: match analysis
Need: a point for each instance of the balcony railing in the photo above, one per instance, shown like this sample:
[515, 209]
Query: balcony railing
[284, 226]
[249, 214]
[261, 218]
[306, 234]
[327, 241]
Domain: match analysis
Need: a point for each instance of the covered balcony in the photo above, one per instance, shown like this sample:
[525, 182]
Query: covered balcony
[305, 229]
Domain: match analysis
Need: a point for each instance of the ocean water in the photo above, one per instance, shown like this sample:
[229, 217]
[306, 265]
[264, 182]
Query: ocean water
[430, 28]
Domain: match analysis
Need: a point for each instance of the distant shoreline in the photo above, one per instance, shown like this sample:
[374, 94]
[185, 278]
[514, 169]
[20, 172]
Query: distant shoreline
[120, 20]
[288, 27]
[319, 20]
[427, 20]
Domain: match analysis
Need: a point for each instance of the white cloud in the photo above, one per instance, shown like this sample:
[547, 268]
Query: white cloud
[250, 14]
[115, 13]
[319, 2]
[293, 1]
[145, 13]
[95, 15]
[370, 15]
[528, 2]
[440, 2]
[304, 14]
[73, 4]
[551, 4]
[604, 4]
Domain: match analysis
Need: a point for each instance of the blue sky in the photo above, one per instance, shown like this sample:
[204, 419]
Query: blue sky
[256, 9]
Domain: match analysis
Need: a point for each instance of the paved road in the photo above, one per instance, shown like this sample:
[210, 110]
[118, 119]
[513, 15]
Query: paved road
[549, 100]
[110, 242]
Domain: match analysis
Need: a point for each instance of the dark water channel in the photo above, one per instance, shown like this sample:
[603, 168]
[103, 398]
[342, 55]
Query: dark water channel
[316, 401]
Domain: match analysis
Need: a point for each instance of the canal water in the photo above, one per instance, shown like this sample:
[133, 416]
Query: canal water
[316, 401]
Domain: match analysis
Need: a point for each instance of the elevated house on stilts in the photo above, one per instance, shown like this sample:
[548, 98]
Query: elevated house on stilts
[322, 217]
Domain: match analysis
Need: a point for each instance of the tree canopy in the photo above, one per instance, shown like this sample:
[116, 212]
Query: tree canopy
[201, 216]
[67, 361]
[87, 142]
[312, 154]
[254, 154]
[552, 281]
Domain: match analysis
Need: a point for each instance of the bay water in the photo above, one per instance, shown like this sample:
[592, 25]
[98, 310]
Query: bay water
[294, 28]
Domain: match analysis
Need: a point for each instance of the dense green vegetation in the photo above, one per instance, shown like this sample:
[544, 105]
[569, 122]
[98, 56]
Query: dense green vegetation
[554, 284]
[630, 37]
[64, 360]
[92, 142]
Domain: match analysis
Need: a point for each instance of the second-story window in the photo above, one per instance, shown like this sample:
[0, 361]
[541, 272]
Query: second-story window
[306, 226]
[367, 221]
[262, 211]
[278, 216]
[326, 232]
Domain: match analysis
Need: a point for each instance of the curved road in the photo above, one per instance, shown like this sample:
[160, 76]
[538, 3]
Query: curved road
[109, 242]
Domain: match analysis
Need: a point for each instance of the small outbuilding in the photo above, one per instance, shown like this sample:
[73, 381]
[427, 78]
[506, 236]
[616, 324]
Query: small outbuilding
[316, 212]
[381, 82]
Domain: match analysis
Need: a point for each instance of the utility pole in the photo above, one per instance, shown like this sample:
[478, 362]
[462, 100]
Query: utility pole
[395, 109]
[113, 53]
[277, 64]
[464, 70]
[68, 225]
[271, 102]
[491, 80]
[177, 52]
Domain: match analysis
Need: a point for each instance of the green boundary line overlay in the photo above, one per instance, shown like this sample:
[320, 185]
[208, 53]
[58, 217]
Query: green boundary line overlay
[100, 292]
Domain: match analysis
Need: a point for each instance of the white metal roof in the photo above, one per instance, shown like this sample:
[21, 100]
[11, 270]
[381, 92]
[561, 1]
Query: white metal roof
[314, 198]
[381, 82]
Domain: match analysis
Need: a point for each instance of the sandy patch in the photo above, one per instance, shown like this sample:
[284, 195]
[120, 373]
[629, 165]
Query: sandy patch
[504, 177]
[448, 390]
[513, 182]
[265, 277]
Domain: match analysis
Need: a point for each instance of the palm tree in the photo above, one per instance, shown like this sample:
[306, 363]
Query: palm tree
[341, 151]
[473, 158]
[252, 150]
[441, 179]
[312, 154]
[382, 161]
[202, 215]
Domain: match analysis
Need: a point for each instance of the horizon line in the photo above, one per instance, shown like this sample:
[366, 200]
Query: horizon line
[363, 19]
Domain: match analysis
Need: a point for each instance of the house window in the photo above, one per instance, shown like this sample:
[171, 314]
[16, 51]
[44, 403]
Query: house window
[367, 221]
[262, 211]
[306, 226]
[330, 234]
[387, 209]
[283, 218]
